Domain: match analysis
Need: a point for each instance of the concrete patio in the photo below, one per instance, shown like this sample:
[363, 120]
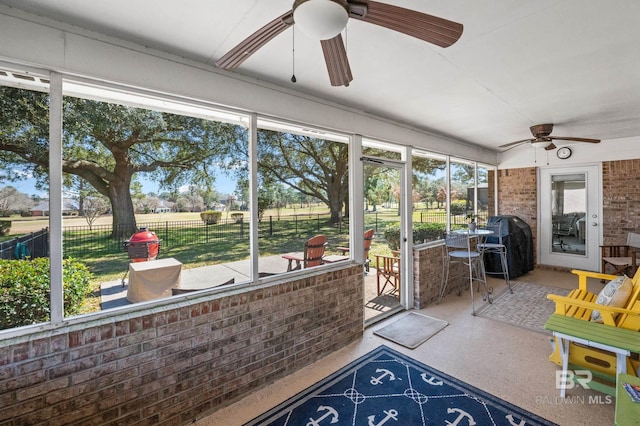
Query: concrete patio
[113, 294]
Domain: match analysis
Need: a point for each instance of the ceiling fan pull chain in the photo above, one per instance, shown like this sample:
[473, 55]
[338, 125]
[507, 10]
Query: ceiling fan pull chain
[293, 55]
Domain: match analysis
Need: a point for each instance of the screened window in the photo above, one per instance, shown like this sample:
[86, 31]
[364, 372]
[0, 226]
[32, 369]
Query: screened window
[303, 197]
[24, 207]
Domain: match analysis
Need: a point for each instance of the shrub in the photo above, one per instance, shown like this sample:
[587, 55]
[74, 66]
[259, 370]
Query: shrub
[422, 232]
[25, 293]
[237, 217]
[458, 207]
[392, 234]
[5, 227]
[210, 217]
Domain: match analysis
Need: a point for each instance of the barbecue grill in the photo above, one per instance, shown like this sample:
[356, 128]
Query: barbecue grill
[143, 246]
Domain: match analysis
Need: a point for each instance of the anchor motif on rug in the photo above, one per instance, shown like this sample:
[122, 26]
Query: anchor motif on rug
[513, 422]
[391, 414]
[329, 412]
[385, 373]
[431, 380]
[461, 415]
[387, 388]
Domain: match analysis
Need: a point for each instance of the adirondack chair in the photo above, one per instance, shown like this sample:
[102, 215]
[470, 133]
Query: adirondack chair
[368, 237]
[619, 332]
[312, 254]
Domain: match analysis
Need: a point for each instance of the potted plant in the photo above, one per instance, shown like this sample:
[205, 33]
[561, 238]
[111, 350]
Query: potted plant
[471, 217]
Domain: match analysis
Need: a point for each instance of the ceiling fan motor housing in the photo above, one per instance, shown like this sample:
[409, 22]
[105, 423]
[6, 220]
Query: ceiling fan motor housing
[541, 130]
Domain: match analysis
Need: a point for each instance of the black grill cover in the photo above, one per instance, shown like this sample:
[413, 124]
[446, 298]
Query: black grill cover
[517, 237]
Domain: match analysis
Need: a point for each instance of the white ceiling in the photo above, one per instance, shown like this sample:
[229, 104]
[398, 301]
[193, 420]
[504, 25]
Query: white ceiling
[519, 62]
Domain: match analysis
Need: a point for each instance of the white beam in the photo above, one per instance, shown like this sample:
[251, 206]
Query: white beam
[55, 198]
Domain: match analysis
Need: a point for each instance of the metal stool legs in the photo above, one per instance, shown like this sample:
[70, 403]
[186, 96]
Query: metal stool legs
[493, 244]
[504, 267]
[446, 265]
[457, 250]
[477, 274]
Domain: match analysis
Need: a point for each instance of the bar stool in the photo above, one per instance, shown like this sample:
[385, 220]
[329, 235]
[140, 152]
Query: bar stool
[458, 251]
[492, 244]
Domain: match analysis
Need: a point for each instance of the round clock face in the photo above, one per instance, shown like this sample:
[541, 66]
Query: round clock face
[564, 153]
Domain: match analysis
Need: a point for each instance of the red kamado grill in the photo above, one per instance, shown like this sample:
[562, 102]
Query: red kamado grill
[143, 245]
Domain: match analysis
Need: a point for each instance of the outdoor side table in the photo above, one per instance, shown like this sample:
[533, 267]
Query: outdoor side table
[153, 279]
[333, 258]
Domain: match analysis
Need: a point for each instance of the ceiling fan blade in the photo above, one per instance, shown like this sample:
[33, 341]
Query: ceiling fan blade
[431, 29]
[550, 147]
[510, 144]
[337, 62]
[561, 138]
[255, 41]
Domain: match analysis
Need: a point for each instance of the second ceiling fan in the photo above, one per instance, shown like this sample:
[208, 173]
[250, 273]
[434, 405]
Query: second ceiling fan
[542, 138]
[325, 19]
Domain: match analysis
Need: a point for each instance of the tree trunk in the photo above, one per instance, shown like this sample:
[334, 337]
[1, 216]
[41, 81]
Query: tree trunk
[124, 219]
[335, 215]
[335, 196]
[346, 206]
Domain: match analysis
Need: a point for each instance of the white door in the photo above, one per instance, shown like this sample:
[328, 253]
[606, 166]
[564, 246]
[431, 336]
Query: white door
[569, 225]
[383, 180]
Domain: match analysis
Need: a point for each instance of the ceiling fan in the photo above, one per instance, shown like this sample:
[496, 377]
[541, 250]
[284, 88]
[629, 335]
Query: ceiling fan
[542, 138]
[325, 20]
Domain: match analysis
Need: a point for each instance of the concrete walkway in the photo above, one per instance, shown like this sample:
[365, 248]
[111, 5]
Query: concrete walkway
[113, 293]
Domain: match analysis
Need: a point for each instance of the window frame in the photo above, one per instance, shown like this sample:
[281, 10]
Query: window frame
[253, 121]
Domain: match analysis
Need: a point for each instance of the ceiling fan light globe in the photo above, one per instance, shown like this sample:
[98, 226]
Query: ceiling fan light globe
[320, 19]
[540, 144]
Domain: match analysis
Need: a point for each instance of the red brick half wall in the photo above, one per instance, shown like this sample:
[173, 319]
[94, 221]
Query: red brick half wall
[175, 363]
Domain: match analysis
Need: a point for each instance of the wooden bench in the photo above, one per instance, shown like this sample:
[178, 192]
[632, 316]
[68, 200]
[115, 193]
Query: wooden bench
[620, 341]
[605, 349]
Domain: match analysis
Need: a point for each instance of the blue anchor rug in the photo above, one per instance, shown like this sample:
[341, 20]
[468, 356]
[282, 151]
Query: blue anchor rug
[385, 387]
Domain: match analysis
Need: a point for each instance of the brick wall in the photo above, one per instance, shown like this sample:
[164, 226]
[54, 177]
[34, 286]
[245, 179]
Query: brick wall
[427, 275]
[517, 196]
[621, 200]
[517, 193]
[173, 364]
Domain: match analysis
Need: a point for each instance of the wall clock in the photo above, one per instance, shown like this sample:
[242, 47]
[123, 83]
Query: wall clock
[563, 153]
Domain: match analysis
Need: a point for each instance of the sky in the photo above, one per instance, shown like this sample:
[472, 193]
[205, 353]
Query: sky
[224, 185]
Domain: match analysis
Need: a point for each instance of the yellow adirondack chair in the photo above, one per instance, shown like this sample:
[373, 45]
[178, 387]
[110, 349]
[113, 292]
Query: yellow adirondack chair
[580, 303]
